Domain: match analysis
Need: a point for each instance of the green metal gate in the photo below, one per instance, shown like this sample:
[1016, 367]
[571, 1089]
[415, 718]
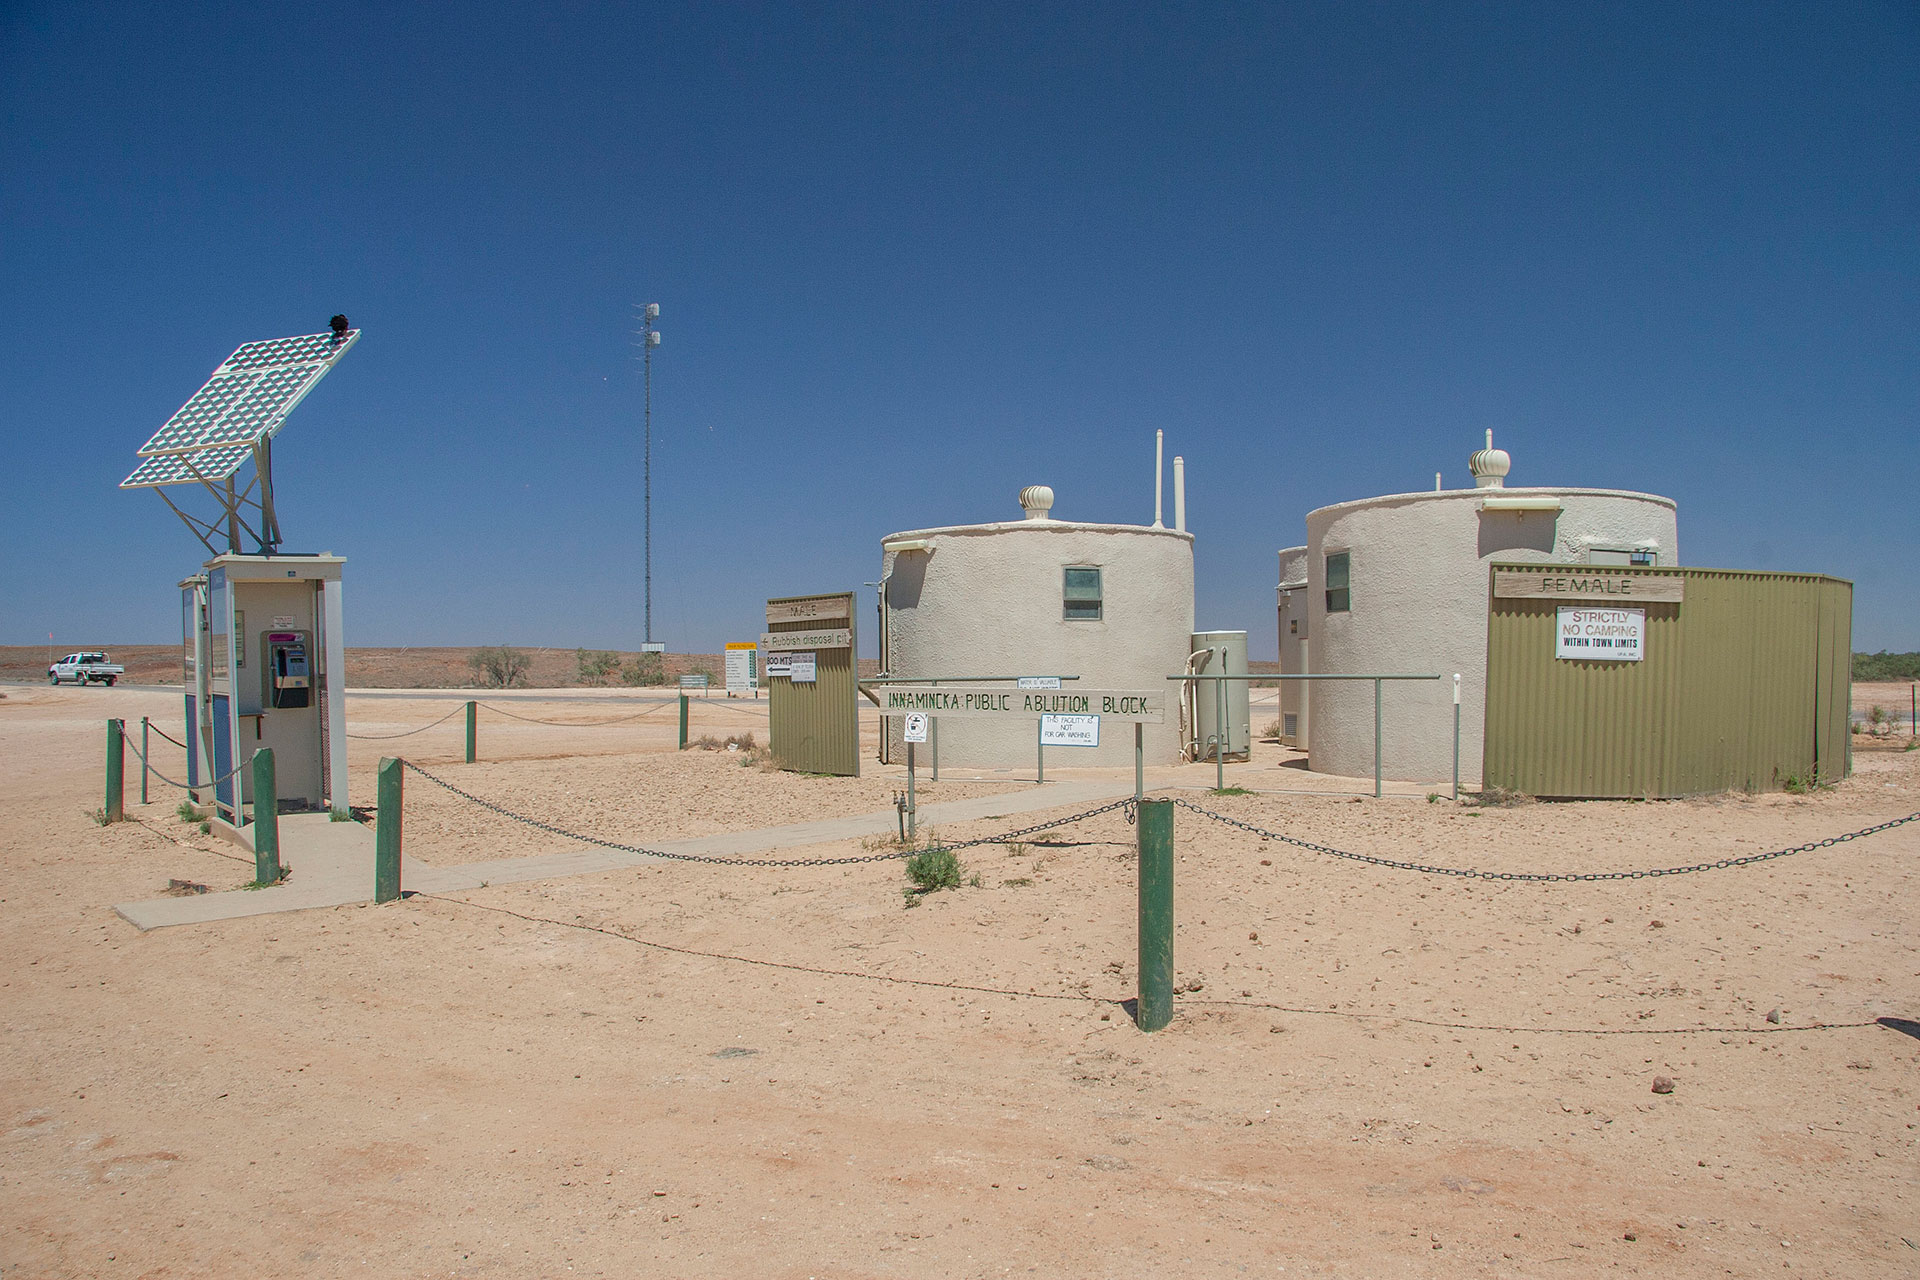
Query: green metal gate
[1744, 684]
[813, 722]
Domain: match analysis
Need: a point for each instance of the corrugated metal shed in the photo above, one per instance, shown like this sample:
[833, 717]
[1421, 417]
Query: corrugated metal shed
[814, 727]
[1743, 685]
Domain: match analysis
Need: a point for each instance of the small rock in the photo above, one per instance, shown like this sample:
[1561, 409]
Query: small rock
[1266, 862]
[1662, 1084]
[1657, 924]
[1776, 1017]
[1253, 937]
[1631, 1235]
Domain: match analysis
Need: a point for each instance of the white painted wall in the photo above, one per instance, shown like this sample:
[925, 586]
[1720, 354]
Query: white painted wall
[1419, 594]
[986, 600]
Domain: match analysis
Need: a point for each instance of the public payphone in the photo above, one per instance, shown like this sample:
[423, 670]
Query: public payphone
[264, 633]
[285, 669]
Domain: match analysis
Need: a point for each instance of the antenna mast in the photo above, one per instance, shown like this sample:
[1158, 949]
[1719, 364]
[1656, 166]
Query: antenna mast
[649, 339]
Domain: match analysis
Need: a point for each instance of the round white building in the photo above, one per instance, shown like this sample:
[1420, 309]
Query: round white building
[1109, 603]
[1399, 584]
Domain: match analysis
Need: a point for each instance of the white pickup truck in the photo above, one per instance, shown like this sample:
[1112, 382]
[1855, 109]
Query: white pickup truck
[85, 668]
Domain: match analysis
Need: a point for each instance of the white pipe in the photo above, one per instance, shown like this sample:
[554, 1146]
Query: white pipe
[1179, 493]
[1159, 471]
[1436, 482]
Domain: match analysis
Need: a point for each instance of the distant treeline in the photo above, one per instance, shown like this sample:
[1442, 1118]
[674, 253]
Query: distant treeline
[1886, 666]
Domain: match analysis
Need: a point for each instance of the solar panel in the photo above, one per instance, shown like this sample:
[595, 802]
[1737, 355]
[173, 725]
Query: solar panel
[181, 468]
[250, 394]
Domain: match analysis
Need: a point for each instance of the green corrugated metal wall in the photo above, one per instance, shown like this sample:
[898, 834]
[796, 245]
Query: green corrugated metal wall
[815, 728]
[1745, 683]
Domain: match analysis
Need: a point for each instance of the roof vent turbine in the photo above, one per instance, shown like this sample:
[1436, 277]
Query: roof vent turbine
[1490, 466]
[1036, 500]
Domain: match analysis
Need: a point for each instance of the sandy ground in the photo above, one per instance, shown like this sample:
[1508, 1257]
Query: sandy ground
[688, 1070]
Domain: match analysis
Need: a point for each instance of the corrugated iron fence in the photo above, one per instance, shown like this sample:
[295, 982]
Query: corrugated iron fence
[813, 722]
[1743, 684]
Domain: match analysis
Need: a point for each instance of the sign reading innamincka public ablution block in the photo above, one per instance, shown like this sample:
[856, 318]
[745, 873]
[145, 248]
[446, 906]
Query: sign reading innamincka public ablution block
[1021, 704]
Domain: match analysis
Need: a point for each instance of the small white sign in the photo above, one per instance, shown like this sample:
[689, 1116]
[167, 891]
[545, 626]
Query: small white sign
[282, 620]
[1039, 682]
[779, 664]
[1601, 635]
[800, 668]
[1069, 731]
[653, 646]
[917, 727]
[741, 675]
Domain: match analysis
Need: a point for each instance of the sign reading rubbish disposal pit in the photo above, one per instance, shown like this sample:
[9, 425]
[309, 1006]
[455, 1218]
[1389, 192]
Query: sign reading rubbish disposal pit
[1601, 635]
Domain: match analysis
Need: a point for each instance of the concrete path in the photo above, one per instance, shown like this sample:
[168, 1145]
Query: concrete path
[332, 862]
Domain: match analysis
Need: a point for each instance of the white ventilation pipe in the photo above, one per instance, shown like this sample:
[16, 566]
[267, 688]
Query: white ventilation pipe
[1179, 493]
[1159, 470]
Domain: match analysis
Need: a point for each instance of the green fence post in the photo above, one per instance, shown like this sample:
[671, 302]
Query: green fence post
[1376, 739]
[115, 808]
[386, 833]
[1139, 764]
[145, 750]
[1220, 727]
[1456, 735]
[1155, 1007]
[683, 722]
[473, 717]
[266, 819]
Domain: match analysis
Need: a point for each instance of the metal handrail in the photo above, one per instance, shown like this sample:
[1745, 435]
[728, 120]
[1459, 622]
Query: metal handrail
[1220, 715]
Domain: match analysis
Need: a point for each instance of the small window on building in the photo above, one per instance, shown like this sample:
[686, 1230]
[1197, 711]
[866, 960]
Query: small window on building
[1082, 595]
[1293, 626]
[1290, 725]
[1339, 600]
[1643, 556]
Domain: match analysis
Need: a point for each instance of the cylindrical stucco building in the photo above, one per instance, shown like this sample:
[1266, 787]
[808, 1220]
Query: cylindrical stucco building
[1399, 584]
[1110, 603]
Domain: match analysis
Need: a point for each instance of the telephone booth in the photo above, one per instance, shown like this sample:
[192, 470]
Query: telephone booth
[264, 666]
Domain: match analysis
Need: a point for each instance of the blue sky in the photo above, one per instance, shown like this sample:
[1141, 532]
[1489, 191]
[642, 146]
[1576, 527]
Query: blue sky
[911, 258]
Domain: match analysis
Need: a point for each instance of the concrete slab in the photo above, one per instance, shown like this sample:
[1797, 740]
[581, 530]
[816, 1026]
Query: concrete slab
[332, 862]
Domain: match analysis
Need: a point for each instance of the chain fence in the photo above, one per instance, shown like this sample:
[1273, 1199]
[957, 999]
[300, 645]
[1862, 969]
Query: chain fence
[169, 737]
[889, 855]
[386, 737]
[148, 766]
[1544, 877]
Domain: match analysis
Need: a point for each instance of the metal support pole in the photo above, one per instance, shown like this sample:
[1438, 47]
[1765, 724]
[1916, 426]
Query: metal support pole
[683, 722]
[146, 750]
[1376, 739]
[115, 808]
[473, 730]
[1456, 735]
[1039, 751]
[1219, 730]
[386, 833]
[910, 802]
[1139, 762]
[933, 744]
[1154, 1008]
[266, 819]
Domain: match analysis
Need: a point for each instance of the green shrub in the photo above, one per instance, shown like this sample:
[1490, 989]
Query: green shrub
[645, 669]
[499, 666]
[933, 869]
[595, 666]
[186, 812]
